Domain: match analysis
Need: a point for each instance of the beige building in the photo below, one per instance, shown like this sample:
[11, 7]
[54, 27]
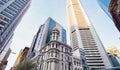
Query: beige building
[83, 36]
[113, 50]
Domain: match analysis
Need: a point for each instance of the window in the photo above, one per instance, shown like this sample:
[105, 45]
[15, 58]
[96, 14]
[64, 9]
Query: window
[74, 63]
[66, 50]
[56, 45]
[55, 54]
[49, 54]
[53, 37]
[62, 56]
[53, 45]
[52, 54]
[62, 48]
[57, 37]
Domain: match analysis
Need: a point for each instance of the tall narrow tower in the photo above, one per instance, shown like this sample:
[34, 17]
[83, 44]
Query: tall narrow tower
[11, 12]
[83, 36]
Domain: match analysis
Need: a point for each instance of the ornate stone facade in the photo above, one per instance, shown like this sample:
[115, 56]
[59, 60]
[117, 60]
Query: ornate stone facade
[56, 54]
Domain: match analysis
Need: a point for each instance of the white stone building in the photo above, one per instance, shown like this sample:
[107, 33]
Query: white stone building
[56, 54]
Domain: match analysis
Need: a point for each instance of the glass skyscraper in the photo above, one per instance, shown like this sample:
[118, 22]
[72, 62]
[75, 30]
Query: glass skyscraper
[43, 36]
[83, 36]
[104, 4]
[11, 12]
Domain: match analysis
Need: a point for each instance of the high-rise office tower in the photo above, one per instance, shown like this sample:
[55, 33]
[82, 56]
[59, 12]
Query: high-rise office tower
[43, 37]
[83, 36]
[11, 12]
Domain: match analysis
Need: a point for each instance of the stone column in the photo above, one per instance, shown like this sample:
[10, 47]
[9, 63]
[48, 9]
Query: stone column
[49, 67]
[55, 36]
[55, 66]
[54, 45]
[44, 66]
[52, 36]
[52, 65]
[51, 45]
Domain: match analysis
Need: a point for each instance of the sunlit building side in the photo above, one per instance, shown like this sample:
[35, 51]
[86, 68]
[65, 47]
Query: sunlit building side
[83, 36]
[21, 57]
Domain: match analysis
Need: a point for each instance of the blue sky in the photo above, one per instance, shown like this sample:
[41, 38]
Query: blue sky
[41, 9]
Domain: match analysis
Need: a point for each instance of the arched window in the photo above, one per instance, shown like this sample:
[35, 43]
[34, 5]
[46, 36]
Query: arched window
[52, 45]
[49, 54]
[55, 54]
[52, 54]
[62, 56]
[55, 34]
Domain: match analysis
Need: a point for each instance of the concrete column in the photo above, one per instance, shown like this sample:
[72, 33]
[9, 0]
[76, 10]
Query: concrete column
[55, 36]
[49, 68]
[52, 66]
[60, 66]
[47, 65]
[52, 36]
[51, 45]
[54, 44]
[55, 66]
[44, 66]
[53, 53]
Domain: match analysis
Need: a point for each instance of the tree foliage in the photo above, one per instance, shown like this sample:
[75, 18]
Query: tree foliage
[26, 66]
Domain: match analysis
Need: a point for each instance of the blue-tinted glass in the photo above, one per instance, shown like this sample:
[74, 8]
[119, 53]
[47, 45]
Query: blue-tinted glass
[51, 25]
[114, 60]
[104, 4]
[64, 36]
[118, 59]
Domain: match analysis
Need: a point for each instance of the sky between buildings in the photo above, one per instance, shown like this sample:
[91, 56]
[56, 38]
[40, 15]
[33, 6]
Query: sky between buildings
[40, 10]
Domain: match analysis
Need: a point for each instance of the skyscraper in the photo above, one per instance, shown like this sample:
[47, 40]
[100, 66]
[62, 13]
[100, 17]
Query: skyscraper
[43, 36]
[83, 36]
[21, 57]
[11, 12]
